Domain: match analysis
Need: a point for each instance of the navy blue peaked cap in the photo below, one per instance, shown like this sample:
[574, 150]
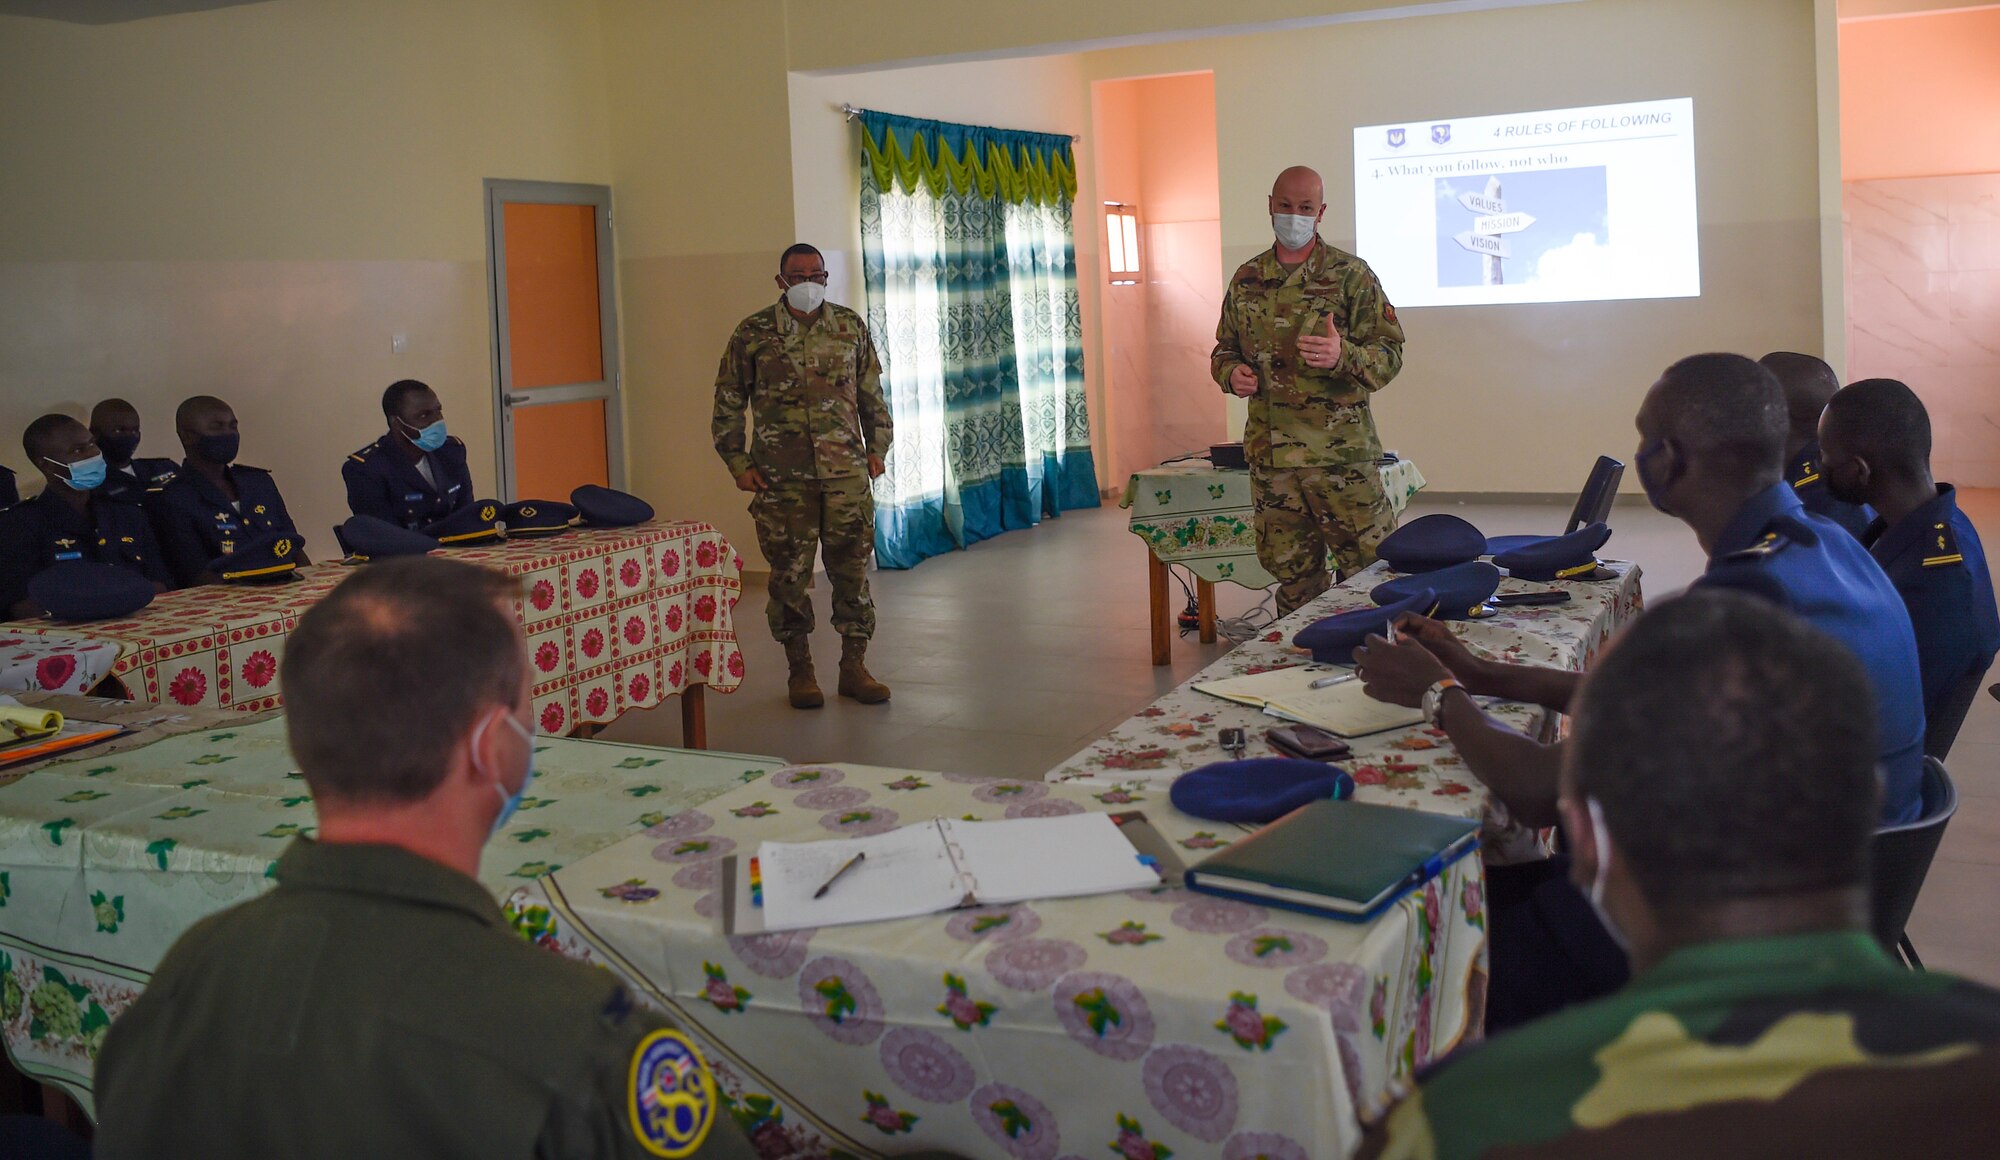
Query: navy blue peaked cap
[378, 539]
[1333, 639]
[271, 556]
[88, 590]
[602, 507]
[1571, 557]
[537, 517]
[475, 523]
[1461, 590]
[1432, 542]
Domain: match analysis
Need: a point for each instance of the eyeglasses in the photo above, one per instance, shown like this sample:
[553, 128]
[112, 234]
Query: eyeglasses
[793, 281]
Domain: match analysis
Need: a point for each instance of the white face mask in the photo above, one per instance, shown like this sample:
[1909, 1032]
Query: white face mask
[805, 297]
[1603, 842]
[1294, 230]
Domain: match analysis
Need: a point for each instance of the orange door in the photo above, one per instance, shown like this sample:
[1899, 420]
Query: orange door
[555, 338]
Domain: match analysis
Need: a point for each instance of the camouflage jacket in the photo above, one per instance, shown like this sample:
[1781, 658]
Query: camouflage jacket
[1300, 416]
[814, 392]
[1806, 1045]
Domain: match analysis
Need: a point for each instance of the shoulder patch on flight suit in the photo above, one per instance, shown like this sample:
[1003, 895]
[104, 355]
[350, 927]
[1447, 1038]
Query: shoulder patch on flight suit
[1770, 545]
[1942, 547]
[673, 1097]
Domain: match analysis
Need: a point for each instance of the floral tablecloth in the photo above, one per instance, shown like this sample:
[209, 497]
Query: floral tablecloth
[106, 859]
[1199, 517]
[1146, 1023]
[1417, 766]
[617, 619]
[30, 664]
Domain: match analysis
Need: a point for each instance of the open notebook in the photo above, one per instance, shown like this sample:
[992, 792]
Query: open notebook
[1344, 709]
[941, 864]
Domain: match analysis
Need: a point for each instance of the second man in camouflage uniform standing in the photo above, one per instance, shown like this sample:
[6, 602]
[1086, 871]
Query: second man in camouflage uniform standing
[1307, 336]
[806, 370]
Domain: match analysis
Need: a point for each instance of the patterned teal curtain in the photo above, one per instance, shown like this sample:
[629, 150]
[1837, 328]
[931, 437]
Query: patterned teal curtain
[971, 277]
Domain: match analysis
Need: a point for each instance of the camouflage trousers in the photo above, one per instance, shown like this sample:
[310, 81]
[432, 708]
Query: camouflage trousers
[1305, 514]
[838, 517]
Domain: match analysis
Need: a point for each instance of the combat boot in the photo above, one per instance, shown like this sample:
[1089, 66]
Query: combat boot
[802, 687]
[854, 679]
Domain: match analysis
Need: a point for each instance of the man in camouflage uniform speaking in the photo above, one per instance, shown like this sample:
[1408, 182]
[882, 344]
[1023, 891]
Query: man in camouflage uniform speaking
[1719, 794]
[806, 370]
[1307, 335]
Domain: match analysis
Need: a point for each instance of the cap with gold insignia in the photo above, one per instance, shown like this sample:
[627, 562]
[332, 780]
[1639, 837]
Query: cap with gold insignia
[1570, 557]
[260, 559]
[1431, 542]
[475, 523]
[1461, 590]
[605, 508]
[88, 590]
[537, 517]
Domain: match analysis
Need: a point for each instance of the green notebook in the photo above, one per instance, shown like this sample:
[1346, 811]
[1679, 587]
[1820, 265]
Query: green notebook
[1338, 859]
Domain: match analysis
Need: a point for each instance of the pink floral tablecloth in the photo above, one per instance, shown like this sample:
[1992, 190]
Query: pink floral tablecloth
[617, 619]
[31, 664]
[1415, 767]
[1138, 1024]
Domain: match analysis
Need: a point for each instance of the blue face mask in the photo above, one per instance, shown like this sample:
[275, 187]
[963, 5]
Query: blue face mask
[84, 474]
[509, 803]
[427, 438]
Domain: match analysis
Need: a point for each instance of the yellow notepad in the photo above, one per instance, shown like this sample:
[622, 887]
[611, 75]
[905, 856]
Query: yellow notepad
[1343, 709]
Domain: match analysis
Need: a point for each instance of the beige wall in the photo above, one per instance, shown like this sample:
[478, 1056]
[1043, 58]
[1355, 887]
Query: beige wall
[249, 202]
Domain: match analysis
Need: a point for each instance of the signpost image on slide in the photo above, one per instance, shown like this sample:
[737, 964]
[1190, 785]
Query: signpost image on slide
[1564, 205]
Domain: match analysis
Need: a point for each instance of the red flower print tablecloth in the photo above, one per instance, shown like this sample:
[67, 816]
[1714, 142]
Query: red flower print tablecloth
[1139, 1024]
[31, 664]
[617, 619]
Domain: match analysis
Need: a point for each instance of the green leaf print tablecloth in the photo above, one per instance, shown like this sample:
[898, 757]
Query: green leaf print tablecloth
[1134, 1024]
[1199, 517]
[106, 859]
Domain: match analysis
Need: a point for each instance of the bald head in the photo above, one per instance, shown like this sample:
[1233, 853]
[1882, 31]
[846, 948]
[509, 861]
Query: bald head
[1300, 182]
[196, 408]
[113, 412]
[1808, 384]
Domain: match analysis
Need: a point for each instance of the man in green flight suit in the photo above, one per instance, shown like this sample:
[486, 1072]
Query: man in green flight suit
[377, 1003]
[1307, 336]
[805, 369]
[1719, 794]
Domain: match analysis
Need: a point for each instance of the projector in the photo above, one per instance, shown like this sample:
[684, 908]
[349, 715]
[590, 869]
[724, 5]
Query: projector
[1228, 456]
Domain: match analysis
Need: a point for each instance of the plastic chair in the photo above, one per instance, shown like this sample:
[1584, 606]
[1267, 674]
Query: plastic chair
[1901, 857]
[1593, 506]
[1941, 727]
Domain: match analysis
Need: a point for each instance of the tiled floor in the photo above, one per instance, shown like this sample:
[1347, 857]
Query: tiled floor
[1007, 658]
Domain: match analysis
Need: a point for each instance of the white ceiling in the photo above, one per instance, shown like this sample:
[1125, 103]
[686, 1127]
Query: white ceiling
[110, 11]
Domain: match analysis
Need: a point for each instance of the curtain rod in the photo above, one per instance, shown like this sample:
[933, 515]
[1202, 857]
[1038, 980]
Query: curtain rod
[852, 111]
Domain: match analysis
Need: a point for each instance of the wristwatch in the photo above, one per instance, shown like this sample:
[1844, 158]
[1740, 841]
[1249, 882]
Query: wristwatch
[1434, 699]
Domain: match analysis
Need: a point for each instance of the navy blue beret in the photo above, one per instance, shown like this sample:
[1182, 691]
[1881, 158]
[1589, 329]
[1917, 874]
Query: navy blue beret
[378, 539]
[537, 517]
[1461, 590]
[1571, 557]
[605, 508]
[1261, 789]
[271, 556]
[475, 523]
[1431, 542]
[88, 590]
[1333, 639]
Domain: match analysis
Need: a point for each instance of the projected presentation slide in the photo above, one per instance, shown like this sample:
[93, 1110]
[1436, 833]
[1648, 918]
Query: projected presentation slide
[1567, 205]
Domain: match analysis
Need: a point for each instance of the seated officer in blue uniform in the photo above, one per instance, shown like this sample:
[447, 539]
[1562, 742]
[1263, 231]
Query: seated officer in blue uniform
[1876, 440]
[214, 503]
[1711, 453]
[114, 423]
[1808, 384]
[416, 474]
[72, 519]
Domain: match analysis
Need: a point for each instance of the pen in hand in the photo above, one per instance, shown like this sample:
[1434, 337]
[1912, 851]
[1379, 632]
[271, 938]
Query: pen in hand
[828, 884]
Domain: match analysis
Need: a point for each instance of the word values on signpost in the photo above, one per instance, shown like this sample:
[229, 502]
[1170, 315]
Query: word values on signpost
[1491, 224]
